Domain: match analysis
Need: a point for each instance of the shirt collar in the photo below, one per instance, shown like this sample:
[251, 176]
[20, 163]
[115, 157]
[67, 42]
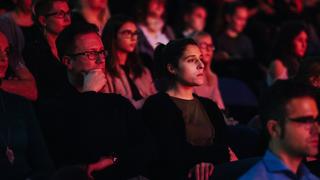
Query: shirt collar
[275, 164]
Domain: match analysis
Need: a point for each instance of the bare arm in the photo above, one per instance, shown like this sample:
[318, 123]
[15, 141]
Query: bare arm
[23, 84]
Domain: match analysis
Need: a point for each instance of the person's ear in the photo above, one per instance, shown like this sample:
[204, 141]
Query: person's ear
[67, 61]
[274, 129]
[43, 21]
[171, 69]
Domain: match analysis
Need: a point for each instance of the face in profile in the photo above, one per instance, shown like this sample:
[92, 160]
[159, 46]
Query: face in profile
[190, 67]
[301, 138]
[92, 57]
[238, 20]
[4, 52]
[300, 44]
[197, 19]
[206, 47]
[59, 18]
[127, 37]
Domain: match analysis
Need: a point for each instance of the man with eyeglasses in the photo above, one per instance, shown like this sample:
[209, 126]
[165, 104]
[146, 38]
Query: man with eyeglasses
[291, 121]
[84, 126]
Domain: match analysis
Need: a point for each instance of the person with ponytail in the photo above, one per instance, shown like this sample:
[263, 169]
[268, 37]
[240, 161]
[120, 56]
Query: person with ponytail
[188, 130]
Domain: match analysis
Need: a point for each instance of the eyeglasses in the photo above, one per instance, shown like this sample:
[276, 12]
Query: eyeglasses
[60, 14]
[4, 54]
[129, 34]
[92, 55]
[207, 46]
[306, 121]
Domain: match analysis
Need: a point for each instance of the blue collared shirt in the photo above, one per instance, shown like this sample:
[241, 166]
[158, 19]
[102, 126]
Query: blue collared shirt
[271, 167]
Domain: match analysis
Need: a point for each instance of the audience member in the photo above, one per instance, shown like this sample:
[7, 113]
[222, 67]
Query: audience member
[289, 49]
[210, 87]
[127, 75]
[290, 117]
[194, 18]
[41, 55]
[188, 130]
[94, 12]
[153, 26]
[83, 126]
[232, 43]
[23, 154]
[22, 16]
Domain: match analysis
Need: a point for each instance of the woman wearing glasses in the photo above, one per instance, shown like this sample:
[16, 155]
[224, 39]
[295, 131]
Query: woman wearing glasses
[188, 130]
[126, 73]
[210, 88]
[41, 55]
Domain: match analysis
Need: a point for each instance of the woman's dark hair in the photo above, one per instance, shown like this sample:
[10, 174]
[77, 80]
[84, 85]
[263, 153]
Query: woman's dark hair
[170, 54]
[284, 43]
[284, 46]
[109, 38]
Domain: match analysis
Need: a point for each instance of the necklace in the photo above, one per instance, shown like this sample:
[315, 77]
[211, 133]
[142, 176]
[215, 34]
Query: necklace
[9, 152]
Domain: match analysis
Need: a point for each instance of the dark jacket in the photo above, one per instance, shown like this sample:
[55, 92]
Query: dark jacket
[48, 71]
[81, 128]
[20, 131]
[174, 156]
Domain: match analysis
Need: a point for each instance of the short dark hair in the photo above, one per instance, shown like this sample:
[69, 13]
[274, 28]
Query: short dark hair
[66, 40]
[191, 7]
[231, 8]
[42, 7]
[274, 101]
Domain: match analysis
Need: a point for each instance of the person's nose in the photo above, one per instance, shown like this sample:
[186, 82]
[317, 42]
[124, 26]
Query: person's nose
[200, 65]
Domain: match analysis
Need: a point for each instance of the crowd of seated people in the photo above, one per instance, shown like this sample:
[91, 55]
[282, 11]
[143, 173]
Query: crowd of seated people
[86, 93]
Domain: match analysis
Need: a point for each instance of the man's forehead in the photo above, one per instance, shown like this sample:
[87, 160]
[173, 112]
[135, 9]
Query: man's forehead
[302, 106]
[88, 41]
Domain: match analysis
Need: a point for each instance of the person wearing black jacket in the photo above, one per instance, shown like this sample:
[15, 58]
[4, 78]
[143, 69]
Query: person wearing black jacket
[188, 130]
[84, 126]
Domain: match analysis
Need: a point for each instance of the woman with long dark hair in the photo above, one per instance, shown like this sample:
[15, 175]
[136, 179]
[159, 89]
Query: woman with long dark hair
[188, 129]
[290, 48]
[126, 73]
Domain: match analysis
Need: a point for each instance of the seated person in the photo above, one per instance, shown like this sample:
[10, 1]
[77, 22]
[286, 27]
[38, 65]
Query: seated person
[82, 125]
[210, 87]
[126, 73]
[153, 27]
[94, 12]
[232, 44]
[23, 154]
[290, 48]
[290, 119]
[194, 19]
[40, 55]
[21, 81]
[188, 129]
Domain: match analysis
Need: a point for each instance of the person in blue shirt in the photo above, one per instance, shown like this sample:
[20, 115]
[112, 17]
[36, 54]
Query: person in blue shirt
[290, 118]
